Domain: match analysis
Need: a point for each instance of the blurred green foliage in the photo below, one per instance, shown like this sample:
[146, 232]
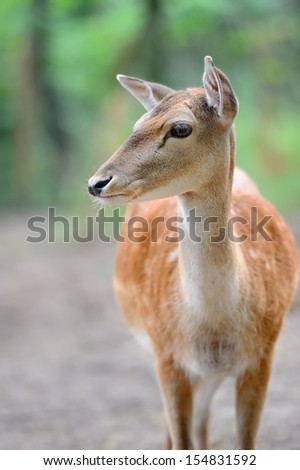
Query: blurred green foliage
[62, 113]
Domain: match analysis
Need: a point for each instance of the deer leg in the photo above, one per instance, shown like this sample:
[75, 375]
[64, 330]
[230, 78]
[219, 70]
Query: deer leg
[207, 389]
[251, 391]
[168, 442]
[177, 397]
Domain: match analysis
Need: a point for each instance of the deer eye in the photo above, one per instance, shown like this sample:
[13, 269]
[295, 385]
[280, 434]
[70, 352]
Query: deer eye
[181, 129]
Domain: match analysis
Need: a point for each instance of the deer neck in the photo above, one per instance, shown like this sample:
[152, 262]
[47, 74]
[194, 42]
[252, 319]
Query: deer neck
[208, 260]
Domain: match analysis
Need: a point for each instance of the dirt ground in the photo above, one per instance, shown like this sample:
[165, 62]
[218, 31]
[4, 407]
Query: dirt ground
[71, 375]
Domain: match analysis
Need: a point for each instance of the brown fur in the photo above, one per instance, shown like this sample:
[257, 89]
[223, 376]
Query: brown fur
[213, 309]
[145, 285]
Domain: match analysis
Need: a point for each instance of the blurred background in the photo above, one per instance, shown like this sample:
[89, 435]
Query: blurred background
[62, 111]
[71, 377]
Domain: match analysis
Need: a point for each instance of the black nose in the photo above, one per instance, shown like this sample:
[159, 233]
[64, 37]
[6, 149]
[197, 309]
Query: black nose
[95, 189]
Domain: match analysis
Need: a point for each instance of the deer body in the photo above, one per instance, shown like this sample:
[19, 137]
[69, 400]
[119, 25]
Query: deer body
[207, 306]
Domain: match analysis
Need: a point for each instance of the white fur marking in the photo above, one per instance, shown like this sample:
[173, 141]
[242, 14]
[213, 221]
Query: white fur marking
[254, 254]
[173, 255]
[144, 340]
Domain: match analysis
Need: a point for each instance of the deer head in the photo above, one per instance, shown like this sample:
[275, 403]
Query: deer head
[176, 147]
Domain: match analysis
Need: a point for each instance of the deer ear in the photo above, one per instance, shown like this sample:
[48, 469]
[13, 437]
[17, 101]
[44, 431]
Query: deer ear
[147, 93]
[219, 93]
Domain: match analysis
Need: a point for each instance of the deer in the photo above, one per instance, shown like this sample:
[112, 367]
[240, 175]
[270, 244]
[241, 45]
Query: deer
[209, 307]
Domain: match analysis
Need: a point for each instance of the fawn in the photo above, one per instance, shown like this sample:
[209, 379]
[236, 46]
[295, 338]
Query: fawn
[212, 306]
